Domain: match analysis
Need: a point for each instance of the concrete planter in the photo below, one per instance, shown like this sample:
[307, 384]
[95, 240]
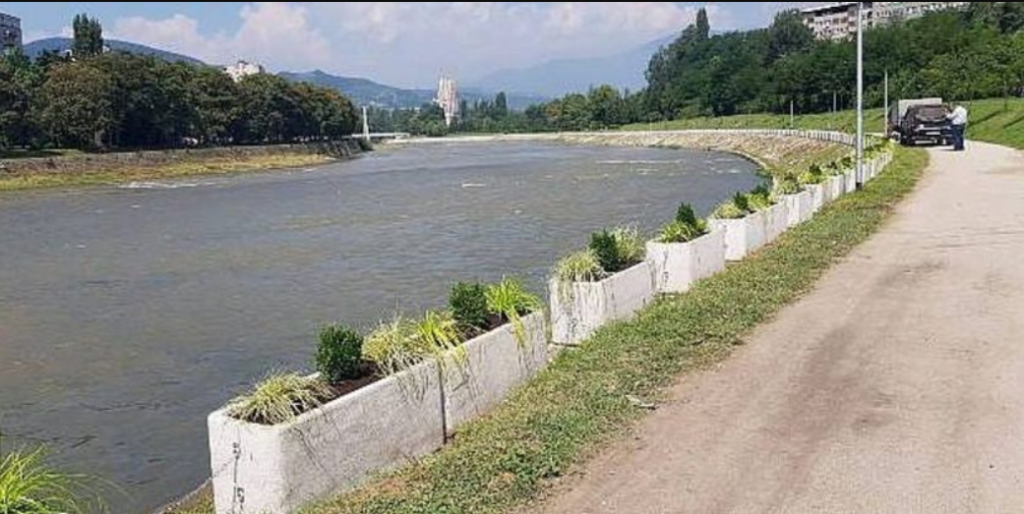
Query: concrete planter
[819, 195]
[776, 220]
[742, 236]
[678, 265]
[278, 469]
[489, 367]
[837, 187]
[580, 308]
[851, 181]
[799, 207]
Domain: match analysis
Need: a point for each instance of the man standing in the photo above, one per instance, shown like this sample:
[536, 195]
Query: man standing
[958, 119]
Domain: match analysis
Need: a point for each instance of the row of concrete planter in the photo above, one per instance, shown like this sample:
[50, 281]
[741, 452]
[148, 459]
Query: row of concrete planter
[278, 469]
[580, 308]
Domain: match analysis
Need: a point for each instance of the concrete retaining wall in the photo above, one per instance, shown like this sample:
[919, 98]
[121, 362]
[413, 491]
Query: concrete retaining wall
[677, 266]
[836, 187]
[742, 236]
[277, 469]
[776, 220]
[580, 308]
[489, 367]
[799, 206]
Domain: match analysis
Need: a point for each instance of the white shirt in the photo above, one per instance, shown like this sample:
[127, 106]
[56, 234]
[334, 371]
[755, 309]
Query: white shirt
[958, 116]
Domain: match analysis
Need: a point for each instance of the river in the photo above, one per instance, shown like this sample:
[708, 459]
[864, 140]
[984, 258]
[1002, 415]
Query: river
[128, 313]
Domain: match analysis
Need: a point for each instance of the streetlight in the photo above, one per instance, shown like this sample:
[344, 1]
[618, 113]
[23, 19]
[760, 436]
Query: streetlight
[860, 94]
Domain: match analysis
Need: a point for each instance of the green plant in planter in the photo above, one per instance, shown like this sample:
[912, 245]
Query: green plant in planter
[29, 486]
[760, 198]
[510, 301]
[582, 266]
[686, 227]
[813, 175]
[787, 185]
[437, 332]
[394, 346]
[469, 306]
[340, 354]
[617, 249]
[735, 208]
[685, 214]
[279, 398]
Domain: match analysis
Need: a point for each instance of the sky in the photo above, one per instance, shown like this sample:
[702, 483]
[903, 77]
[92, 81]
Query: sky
[404, 44]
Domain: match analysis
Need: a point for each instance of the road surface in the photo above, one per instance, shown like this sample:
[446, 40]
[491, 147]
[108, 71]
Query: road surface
[897, 386]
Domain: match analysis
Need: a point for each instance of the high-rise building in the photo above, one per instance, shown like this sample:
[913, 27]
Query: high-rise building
[448, 99]
[10, 33]
[839, 21]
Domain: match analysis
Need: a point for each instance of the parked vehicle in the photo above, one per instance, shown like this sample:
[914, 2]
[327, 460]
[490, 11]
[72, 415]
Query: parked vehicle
[924, 119]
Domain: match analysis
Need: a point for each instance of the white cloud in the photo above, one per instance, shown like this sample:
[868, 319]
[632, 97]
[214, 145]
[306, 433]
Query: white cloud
[409, 43]
[277, 34]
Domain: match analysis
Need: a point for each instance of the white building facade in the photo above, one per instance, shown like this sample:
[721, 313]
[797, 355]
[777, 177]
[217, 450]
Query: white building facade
[242, 69]
[448, 99]
[838, 21]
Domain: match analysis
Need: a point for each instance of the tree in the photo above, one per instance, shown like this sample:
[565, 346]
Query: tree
[88, 37]
[703, 27]
[788, 34]
[500, 105]
[76, 105]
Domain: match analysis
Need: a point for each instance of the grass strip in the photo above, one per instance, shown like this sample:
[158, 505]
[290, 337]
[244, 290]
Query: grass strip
[503, 461]
[192, 168]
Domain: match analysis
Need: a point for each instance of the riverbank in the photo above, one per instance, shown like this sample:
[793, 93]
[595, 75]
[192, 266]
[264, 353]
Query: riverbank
[995, 120]
[776, 154]
[125, 167]
[593, 395]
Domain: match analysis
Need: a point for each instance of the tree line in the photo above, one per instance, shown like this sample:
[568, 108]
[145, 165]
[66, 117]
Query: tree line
[93, 100]
[958, 55]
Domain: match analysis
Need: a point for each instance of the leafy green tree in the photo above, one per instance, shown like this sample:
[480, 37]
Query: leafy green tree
[787, 35]
[88, 40]
[702, 26]
[500, 109]
[76, 107]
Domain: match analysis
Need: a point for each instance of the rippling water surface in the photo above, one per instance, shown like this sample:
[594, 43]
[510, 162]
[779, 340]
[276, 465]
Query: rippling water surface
[128, 313]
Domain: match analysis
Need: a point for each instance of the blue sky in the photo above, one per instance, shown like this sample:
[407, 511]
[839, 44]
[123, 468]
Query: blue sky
[400, 43]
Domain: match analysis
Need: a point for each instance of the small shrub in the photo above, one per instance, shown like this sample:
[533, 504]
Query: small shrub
[813, 175]
[279, 398]
[685, 214]
[759, 199]
[735, 208]
[787, 185]
[582, 266]
[340, 354]
[617, 249]
[469, 307]
[29, 486]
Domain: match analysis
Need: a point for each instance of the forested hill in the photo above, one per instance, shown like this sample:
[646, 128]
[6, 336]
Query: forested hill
[958, 55]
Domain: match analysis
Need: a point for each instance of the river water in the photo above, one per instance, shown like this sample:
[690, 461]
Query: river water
[129, 313]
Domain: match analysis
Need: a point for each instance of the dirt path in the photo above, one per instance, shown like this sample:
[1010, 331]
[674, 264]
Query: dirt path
[897, 386]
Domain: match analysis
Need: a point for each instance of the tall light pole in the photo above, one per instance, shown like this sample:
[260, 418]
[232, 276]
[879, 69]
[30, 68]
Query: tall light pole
[860, 93]
[885, 115]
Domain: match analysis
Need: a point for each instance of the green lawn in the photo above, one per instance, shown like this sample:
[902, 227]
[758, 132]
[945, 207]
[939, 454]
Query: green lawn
[995, 120]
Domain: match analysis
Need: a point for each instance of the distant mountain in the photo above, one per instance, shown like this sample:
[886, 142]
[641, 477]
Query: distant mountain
[60, 44]
[367, 92]
[558, 77]
[364, 91]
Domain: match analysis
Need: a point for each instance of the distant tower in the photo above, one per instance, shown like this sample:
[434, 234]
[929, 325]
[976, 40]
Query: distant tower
[448, 99]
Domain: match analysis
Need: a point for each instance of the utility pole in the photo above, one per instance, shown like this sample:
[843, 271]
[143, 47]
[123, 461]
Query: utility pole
[860, 93]
[885, 116]
[792, 114]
